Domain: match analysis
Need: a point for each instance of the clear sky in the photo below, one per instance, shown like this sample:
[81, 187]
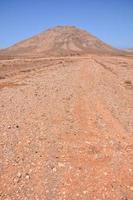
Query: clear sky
[109, 20]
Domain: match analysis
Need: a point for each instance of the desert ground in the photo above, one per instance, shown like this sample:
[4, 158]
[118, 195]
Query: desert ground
[66, 128]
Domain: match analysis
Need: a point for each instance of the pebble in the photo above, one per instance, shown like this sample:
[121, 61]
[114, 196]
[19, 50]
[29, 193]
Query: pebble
[61, 164]
[84, 192]
[131, 188]
[27, 176]
[17, 179]
[130, 170]
[54, 169]
[105, 173]
[19, 175]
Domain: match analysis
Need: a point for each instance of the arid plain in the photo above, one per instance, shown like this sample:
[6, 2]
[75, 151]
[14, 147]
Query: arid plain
[66, 119]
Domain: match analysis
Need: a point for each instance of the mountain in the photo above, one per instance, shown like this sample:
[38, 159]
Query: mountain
[61, 41]
[129, 50]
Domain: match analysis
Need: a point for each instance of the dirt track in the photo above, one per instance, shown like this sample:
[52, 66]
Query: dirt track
[66, 129]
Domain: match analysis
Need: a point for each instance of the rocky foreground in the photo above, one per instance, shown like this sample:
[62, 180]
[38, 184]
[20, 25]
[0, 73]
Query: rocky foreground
[66, 128]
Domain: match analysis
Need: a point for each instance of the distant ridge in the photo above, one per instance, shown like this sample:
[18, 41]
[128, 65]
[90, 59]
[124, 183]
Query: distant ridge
[128, 50]
[60, 41]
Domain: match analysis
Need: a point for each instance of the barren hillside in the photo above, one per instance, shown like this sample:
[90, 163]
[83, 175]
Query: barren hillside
[61, 41]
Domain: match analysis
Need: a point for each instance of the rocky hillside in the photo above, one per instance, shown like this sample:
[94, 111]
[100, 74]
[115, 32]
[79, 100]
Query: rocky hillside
[61, 41]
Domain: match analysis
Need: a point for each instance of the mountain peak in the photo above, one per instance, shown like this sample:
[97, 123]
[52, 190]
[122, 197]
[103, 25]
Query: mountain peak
[61, 41]
[64, 27]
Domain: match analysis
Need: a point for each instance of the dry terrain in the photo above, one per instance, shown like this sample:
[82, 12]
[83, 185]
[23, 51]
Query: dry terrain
[66, 129]
[66, 126]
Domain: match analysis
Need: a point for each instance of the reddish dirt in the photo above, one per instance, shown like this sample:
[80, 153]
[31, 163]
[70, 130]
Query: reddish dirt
[66, 129]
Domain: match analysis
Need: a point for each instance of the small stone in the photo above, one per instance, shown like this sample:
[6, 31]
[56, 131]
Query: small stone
[19, 175]
[56, 156]
[27, 176]
[87, 142]
[54, 169]
[96, 156]
[105, 173]
[130, 170]
[85, 192]
[131, 188]
[61, 164]
[28, 141]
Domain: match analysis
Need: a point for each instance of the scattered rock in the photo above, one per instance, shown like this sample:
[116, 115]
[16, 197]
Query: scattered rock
[19, 174]
[27, 176]
[61, 164]
[54, 169]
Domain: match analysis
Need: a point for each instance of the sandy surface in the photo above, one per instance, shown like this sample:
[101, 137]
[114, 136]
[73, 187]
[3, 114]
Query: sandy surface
[66, 129]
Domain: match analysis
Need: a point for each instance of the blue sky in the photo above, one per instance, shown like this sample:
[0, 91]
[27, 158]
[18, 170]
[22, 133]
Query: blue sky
[109, 20]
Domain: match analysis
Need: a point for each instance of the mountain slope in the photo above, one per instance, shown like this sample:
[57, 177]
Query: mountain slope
[61, 41]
